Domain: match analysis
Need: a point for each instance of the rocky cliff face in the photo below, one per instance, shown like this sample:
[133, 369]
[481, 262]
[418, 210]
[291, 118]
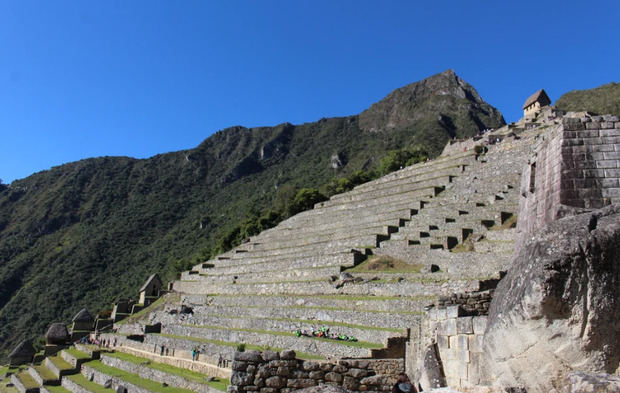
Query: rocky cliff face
[557, 309]
[444, 94]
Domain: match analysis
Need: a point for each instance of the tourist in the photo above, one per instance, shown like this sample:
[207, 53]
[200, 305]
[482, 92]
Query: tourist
[193, 354]
[220, 361]
[403, 385]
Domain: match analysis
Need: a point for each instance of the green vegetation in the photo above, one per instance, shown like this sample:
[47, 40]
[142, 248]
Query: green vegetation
[86, 233]
[45, 373]
[60, 363]
[252, 347]
[134, 379]
[81, 380]
[361, 344]
[601, 100]
[156, 305]
[77, 354]
[385, 264]
[216, 383]
[57, 389]
[27, 380]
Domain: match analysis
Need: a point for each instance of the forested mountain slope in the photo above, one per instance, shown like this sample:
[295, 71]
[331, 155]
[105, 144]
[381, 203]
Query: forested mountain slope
[86, 233]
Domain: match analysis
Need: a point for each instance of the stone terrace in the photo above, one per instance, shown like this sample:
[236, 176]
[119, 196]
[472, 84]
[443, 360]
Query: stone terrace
[291, 277]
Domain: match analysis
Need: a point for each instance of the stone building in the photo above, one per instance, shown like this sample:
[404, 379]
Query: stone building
[22, 353]
[150, 290]
[535, 102]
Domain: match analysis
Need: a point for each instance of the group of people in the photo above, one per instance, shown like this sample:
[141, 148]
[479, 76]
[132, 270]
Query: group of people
[98, 342]
[323, 332]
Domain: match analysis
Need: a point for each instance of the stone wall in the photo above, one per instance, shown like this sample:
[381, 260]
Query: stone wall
[272, 372]
[459, 345]
[470, 303]
[576, 167]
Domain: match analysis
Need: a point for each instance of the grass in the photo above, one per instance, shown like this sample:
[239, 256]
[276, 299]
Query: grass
[134, 379]
[27, 380]
[300, 355]
[7, 389]
[331, 297]
[60, 363]
[3, 370]
[77, 353]
[217, 383]
[45, 373]
[315, 321]
[57, 389]
[91, 386]
[385, 264]
[511, 222]
[159, 303]
[357, 344]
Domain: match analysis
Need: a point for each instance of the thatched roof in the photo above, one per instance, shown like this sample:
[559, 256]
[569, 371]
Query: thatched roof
[152, 278]
[540, 96]
[57, 334]
[83, 316]
[22, 350]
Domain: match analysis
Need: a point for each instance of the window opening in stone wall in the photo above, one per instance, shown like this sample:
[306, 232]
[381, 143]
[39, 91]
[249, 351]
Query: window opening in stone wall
[532, 177]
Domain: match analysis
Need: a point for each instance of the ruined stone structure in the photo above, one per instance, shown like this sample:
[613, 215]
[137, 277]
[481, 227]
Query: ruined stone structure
[451, 221]
[534, 103]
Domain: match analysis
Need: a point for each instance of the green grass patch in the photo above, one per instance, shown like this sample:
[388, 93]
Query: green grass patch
[57, 389]
[77, 353]
[136, 379]
[60, 363]
[358, 344]
[300, 355]
[217, 383]
[45, 373]
[156, 305]
[27, 380]
[3, 370]
[81, 380]
[7, 389]
[314, 322]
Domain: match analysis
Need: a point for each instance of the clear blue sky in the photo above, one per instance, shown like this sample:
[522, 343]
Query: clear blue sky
[81, 79]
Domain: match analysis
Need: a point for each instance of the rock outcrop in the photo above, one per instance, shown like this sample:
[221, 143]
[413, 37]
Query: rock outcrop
[557, 309]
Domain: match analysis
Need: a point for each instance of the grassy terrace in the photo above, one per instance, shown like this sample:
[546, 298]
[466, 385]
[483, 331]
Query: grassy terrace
[57, 389]
[312, 322]
[27, 380]
[77, 353]
[45, 373]
[217, 383]
[81, 380]
[60, 363]
[332, 297]
[358, 344]
[157, 304]
[134, 379]
[300, 355]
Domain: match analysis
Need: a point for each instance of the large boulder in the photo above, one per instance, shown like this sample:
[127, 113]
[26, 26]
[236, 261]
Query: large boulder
[558, 308]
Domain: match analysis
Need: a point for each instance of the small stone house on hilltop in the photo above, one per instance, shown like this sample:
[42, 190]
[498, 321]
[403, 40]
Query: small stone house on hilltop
[534, 102]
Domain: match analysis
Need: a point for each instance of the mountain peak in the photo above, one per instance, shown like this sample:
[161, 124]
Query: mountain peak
[442, 92]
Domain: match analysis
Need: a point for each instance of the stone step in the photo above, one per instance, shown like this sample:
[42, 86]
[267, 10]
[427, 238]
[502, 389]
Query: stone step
[78, 383]
[159, 372]
[441, 176]
[392, 215]
[267, 275]
[323, 287]
[426, 189]
[282, 325]
[75, 357]
[342, 225]
[54, 389]
[457, 159]
[380, 303]
[102, 374]
[24, 383]
[43, 376]
[355, 315]
[257, 265]
[91, 350]
[327, 236]
[58, 366]
[310, 345]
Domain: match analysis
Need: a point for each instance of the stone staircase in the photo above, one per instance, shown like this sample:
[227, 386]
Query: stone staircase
[454, 212]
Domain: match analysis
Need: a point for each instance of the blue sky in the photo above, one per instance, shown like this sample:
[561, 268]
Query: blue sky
[81, 79]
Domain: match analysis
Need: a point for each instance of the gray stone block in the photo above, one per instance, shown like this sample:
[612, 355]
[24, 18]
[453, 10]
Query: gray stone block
[479, 324]
[448, 327]
[464, 325]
